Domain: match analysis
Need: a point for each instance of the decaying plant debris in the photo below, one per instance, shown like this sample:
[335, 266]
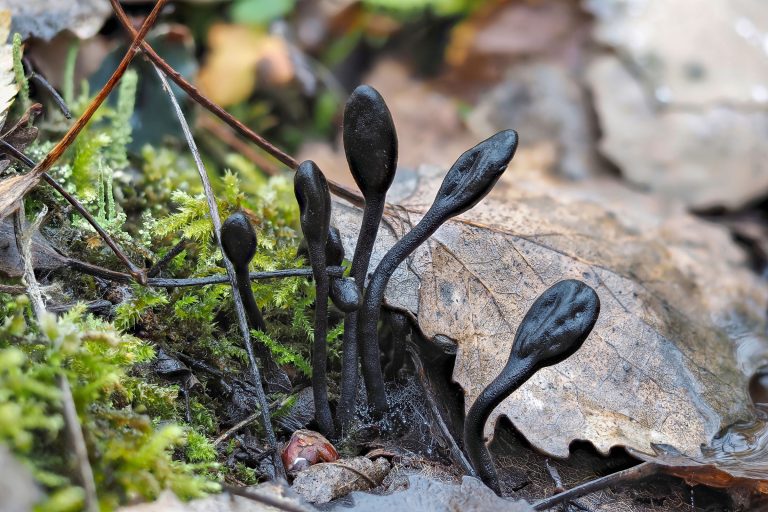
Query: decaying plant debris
[210, 346]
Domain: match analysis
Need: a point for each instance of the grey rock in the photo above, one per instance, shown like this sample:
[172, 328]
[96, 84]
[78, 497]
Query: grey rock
[705, 156]
[426, 495]
[322, 483]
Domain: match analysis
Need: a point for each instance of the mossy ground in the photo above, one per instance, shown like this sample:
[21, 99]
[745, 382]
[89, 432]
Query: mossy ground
[134, 421]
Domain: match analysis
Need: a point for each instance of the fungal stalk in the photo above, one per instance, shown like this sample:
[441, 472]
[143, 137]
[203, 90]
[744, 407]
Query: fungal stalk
[238, 239]
[343, 291]
[553, 329]
[470, 179]
[370, 144]
[314, 200]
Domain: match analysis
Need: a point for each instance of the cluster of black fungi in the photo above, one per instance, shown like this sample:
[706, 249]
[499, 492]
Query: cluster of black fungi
[554, 327]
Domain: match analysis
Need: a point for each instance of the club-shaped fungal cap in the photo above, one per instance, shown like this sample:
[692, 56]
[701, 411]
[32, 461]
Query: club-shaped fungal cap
[314, 200]
[475, 173]
[370, 141]
[557, 324]
[334, 248]
[238, 239]
[345, 294]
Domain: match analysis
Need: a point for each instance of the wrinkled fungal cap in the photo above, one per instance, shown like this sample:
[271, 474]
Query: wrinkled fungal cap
[557, 324]
[238, 239]
[314, 200]
[475, 173]
[370, 141]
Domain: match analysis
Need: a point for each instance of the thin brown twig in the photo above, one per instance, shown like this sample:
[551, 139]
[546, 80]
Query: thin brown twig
[135, 272]
[247, 421]
[241, 317]
[69, 137]
[628, 475]
[40, 170]
[355, 471]
[199, 97]
[225, 135]
[342, 191]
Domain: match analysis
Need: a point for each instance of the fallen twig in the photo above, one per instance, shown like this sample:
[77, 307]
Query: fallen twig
[23, 244]
[135, 272]
[338, 189]
[456, 454]
[241, 317]
[628, 475]
[247, 421]
[17, 186]
[76, 439]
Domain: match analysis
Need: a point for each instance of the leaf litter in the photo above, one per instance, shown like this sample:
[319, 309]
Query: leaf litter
[666, 369]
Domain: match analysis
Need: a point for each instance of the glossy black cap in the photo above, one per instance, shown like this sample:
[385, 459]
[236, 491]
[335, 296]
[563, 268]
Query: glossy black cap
[475, 173]
[370, 141]
[238, 239]
[557, 324]
[314, 198]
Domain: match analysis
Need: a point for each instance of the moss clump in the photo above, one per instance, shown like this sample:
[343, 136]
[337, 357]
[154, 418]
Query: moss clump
[131, 453]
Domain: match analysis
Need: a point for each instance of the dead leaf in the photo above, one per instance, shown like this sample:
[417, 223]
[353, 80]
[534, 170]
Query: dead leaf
[46, 18]
[44, 256]
[8, 88]
[13, 189]
[703, 156]
[21, 134]
[669, 43]
[239, 56]
[680, 330]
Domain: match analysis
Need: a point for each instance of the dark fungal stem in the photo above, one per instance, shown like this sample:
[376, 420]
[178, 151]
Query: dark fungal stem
[553, 329]
[311, 189]
[343, 291]
[469, 180]
[400, 330]
[370, 144]
[238, 239]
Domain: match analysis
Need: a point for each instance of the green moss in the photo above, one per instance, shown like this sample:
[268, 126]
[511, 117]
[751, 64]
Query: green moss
[131, 454]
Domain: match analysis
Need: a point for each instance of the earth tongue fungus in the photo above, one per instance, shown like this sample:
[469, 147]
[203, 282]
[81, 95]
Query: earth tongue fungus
[238, 240]
[344, 292]
[470, 179]
[553, 329]
[314, 200]
[370, 143]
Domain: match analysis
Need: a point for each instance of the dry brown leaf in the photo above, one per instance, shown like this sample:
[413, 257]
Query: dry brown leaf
[681, 327]
[239, 56]
[8, 87]
[13, 189]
